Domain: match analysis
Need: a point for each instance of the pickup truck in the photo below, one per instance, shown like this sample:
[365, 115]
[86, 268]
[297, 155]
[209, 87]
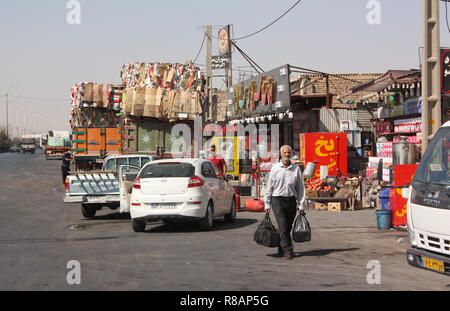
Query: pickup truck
[96, 189]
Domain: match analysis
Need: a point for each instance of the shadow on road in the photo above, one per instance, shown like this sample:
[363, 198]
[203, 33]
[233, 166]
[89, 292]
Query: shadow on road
[113, 216]
[317, 252]
[219, 225]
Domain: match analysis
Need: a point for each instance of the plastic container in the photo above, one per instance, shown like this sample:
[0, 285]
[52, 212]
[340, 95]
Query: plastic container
[384, 219]
[384, 199]
[254, 205]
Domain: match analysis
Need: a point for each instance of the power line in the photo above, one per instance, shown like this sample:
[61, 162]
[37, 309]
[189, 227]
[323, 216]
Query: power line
[446, 16]
[254, 33]
[200, 49]
[36, 98]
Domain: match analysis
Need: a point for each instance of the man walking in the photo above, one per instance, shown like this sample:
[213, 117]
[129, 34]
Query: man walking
[218, 160]
[285, 192]
[65, 166]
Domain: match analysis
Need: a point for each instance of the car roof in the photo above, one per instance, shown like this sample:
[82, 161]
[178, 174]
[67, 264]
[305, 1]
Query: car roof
[192, 161]
[128, 156]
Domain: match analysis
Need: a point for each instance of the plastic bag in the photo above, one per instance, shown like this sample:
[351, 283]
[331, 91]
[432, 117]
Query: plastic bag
[302, 229]
[267, 234]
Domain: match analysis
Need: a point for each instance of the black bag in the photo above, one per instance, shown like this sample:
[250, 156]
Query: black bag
[302, 229]
[267, 234]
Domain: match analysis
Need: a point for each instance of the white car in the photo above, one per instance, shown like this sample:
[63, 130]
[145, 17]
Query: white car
[181, 189]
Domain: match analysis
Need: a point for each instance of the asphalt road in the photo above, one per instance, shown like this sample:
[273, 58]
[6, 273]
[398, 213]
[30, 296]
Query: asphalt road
[37, 240]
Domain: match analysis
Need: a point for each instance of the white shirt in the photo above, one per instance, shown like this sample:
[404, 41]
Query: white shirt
[285, 182]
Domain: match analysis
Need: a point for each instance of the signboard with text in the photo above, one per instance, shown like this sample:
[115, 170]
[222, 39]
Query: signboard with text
[445, 71]
[260, 95]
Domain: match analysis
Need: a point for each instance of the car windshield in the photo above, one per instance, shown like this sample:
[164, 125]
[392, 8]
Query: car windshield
[110, 165]
[434, 166]
[163, 170]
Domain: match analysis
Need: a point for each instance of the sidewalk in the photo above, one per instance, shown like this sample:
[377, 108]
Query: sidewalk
[364, 218]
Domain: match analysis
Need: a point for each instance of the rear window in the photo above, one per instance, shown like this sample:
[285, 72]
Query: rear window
[167, 170]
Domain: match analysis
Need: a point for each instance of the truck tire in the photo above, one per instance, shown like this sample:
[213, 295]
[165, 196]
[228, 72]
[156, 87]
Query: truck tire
[88, 211]
[206, 223]
[138, 226]
[231, 216]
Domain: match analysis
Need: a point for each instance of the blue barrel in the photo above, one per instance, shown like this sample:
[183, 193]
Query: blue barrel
[384, 219]
[384, 199]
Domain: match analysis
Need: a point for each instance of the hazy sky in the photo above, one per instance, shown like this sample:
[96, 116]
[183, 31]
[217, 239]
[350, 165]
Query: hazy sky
[42, 55]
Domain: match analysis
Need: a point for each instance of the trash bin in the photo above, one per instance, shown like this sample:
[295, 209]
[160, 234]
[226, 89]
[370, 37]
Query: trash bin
[384, 219]
[384, 199]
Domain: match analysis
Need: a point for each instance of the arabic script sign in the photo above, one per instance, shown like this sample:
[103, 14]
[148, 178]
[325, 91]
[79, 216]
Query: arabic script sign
[445, 71]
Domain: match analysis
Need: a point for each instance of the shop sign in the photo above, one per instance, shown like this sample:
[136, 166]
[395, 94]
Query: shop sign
[268, 93]
[220, 62]
[445, 71]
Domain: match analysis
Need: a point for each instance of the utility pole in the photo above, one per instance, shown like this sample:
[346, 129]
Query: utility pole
[431, 67]
[209, 69]
[7, 119]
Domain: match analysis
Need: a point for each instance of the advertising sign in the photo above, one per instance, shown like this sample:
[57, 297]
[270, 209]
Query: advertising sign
[328, 149]
[264, 94]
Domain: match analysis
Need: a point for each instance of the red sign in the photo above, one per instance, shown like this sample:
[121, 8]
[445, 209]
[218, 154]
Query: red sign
[325, 149]
[403, 175]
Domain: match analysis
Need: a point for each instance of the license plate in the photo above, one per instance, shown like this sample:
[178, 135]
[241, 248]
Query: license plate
[94, 199]
[433, 264]
[98, 160]
[163, 205]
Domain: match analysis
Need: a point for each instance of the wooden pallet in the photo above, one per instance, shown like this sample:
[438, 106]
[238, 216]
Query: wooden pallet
[320, 206]
[336, 206]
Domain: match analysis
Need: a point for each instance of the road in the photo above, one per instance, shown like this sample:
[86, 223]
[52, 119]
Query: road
[38, 239]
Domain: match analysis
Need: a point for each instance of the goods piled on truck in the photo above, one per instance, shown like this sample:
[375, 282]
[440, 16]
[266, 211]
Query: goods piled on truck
[96, 124]
[163, 91]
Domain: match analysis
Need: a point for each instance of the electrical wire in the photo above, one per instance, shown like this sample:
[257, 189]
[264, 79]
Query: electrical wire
[35, 98]
[446, 16]
[200, 49]
[276, 20]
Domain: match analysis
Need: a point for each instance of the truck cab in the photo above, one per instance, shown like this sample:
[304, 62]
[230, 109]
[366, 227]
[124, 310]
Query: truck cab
[428, 207]
[27, 145]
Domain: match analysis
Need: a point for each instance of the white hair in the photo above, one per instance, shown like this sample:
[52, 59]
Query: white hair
[285, 146]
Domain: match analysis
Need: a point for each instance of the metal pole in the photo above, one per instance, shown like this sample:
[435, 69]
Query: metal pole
[209, 68]
[431, 90]
[7, 119]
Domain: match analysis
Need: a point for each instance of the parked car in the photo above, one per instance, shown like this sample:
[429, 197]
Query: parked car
[180, 189]
[14, 149]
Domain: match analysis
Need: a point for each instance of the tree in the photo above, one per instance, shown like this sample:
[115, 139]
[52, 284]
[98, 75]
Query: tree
[5, 142]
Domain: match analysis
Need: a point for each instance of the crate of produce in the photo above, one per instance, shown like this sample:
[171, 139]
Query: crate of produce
[312, 193]
[336, 206]
[325, 194]
[320, 206]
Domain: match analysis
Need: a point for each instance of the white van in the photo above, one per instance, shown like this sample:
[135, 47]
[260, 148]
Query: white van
[428, 208]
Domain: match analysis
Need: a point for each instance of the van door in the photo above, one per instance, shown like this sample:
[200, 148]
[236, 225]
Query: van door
[127, 174]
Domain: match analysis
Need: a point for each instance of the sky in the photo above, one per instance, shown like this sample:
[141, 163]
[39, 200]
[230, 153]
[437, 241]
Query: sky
[43, 56]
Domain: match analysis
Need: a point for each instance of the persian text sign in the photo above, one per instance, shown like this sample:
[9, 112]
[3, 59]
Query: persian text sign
[268, 93]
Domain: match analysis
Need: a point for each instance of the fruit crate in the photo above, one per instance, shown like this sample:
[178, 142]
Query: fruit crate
[320, 206]
[312, 193]
[337, 206]
[325, 194]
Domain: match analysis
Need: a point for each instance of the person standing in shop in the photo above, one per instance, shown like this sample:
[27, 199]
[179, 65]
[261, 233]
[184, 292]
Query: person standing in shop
[217, 160]
[285, 194]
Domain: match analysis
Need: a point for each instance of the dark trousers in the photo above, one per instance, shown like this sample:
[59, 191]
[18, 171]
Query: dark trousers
[64, 172]
[285, 210]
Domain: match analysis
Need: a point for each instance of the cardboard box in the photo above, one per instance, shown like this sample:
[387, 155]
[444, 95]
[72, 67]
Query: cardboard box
[336, 206]
[320, 206]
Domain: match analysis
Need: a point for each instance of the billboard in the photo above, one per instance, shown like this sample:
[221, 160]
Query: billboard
[261, 95]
